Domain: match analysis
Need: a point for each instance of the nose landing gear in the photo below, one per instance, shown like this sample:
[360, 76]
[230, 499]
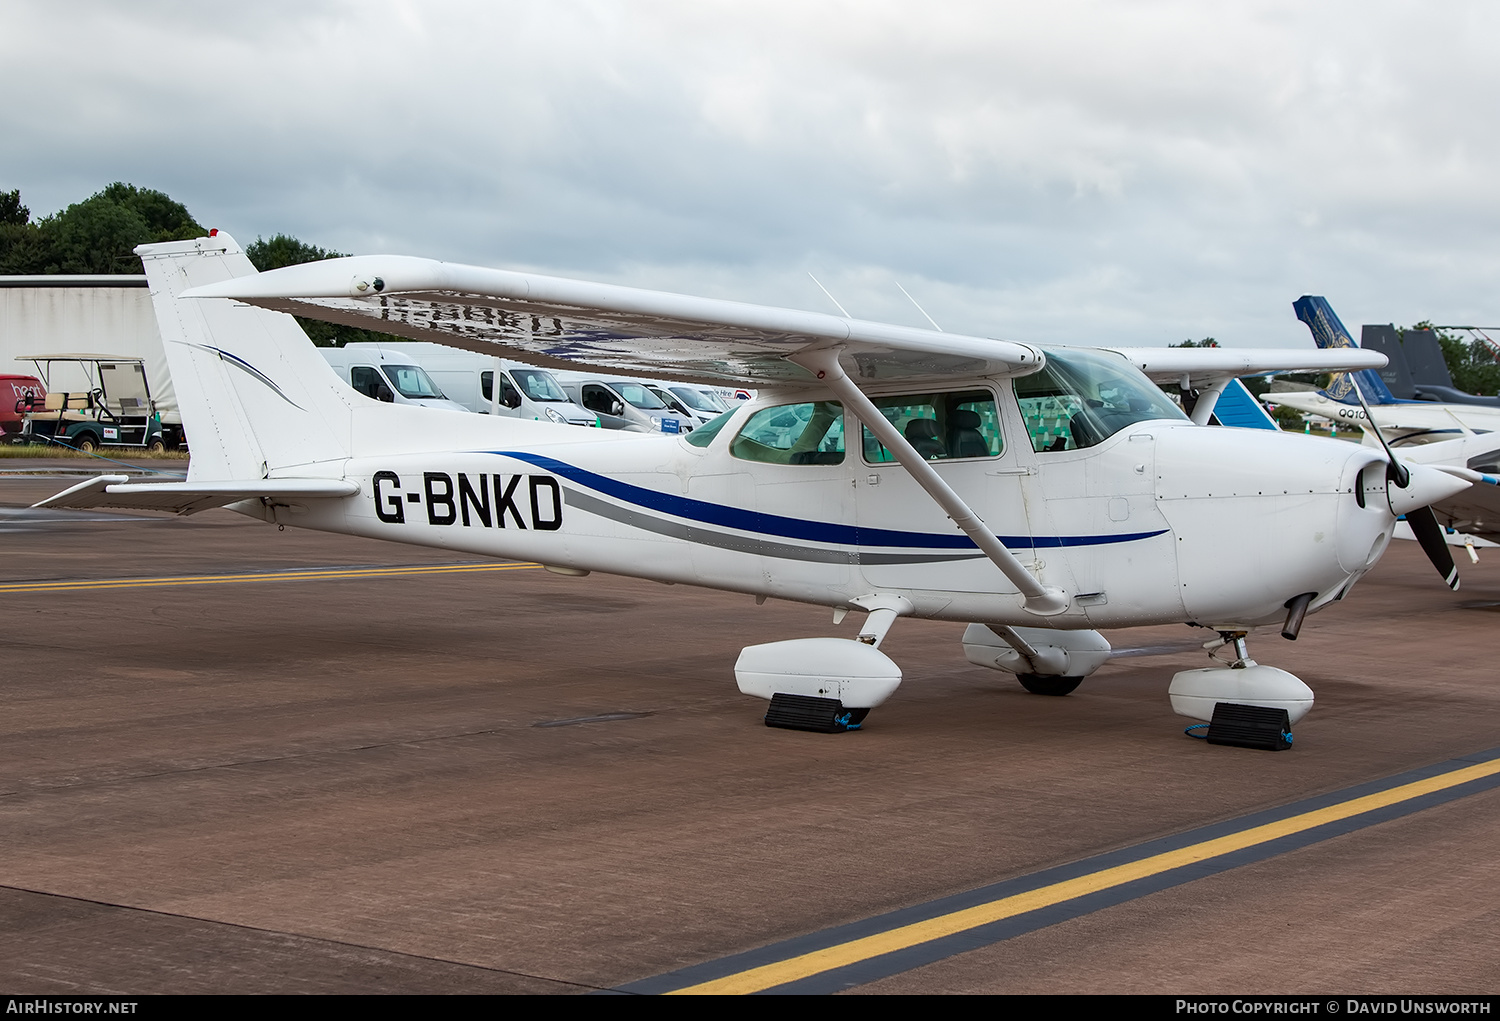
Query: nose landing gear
[1243, 682]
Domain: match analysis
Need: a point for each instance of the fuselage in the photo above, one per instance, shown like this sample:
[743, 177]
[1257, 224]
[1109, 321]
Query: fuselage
[1162, 521]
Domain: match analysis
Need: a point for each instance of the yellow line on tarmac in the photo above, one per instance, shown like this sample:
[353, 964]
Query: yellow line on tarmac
[335, 573]
[844, 954]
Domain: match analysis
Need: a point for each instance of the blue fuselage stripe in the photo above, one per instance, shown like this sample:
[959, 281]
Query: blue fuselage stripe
[795, 528]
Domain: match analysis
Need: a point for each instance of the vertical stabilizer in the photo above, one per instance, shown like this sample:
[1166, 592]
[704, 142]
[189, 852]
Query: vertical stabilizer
[1397, 374]
[1328, 332]
[1238, 407]
[257, 400]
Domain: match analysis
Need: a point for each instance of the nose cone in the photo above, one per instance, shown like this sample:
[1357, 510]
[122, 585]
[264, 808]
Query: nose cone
[1427, 486]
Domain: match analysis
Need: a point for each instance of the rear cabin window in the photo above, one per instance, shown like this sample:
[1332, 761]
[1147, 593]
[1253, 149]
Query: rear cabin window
[811, 433]
[940, 426]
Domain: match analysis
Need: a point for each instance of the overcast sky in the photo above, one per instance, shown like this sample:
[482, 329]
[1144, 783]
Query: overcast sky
[1070, 172]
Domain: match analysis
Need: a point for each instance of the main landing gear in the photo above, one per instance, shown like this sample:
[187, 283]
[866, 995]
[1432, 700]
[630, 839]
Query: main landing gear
[825, 684]
[1046, 662]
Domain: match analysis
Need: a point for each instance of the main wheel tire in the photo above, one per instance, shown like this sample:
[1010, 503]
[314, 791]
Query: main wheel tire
[1037, 684]
[156, 446]
[87, 443]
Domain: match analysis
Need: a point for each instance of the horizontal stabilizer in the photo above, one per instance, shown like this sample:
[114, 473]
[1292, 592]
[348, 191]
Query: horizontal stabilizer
[190, 497]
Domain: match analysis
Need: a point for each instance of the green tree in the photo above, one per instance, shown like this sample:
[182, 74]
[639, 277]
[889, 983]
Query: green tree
[12, 213]
[167, 220]
[97, 235]
[23, 249]
[285, 250]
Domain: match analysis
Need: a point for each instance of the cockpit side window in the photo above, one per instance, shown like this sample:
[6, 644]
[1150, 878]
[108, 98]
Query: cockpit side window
[940, 426]
[1080, 398]
[811, 433]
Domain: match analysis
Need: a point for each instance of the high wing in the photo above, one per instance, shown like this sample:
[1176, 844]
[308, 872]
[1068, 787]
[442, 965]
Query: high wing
[569, 323]
[1204, 367]
[190, 497]
[1206, 371]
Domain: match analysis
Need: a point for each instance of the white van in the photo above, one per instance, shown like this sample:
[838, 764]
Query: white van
[468, 379]
[387, 374]
[624, 404]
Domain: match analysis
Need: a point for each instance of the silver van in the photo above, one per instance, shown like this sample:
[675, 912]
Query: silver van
[692, 402]
[623, 403]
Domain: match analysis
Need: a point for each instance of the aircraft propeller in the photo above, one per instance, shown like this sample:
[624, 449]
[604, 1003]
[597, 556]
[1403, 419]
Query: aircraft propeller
[1422, 519]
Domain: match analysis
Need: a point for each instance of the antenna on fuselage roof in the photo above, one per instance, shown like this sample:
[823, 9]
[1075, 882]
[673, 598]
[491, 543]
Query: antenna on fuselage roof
[831, 298]
[920, 309]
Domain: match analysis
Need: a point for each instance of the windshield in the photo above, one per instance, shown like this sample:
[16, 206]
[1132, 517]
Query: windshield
[696, 400]
[705, 433]
[1082, 397]
[638, 395]
[538, 385]
[411, 381]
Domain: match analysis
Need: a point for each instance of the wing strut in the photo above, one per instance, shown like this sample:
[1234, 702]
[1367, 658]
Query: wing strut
[824, 363]
[1208, 398]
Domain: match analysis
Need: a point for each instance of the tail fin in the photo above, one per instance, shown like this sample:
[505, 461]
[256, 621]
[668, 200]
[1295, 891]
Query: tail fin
[256, 398]
[1327, 331]
[1238, 407]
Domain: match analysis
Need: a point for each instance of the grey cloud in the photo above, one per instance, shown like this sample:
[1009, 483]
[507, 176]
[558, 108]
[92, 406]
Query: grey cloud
[1093, 172]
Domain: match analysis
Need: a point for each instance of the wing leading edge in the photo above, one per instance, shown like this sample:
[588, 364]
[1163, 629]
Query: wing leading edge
[1208, 366]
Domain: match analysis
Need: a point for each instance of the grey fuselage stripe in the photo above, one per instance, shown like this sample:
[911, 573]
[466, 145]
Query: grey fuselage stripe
[746, 544]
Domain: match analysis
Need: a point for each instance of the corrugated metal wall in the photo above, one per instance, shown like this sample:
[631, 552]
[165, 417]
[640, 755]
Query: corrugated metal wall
[94, 315]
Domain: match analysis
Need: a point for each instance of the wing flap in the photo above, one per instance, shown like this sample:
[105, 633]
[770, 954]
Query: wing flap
[572, 324]
[117, 491]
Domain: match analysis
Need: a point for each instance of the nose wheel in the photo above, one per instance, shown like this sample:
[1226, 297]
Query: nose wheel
[1242, 684]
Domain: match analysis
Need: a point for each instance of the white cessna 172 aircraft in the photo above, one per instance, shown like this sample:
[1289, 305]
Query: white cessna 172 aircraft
[897, 471]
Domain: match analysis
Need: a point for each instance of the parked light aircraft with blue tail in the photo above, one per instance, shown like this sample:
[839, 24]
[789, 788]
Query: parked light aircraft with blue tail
[1038, 494]
[1403, 421]
[1457, 435]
